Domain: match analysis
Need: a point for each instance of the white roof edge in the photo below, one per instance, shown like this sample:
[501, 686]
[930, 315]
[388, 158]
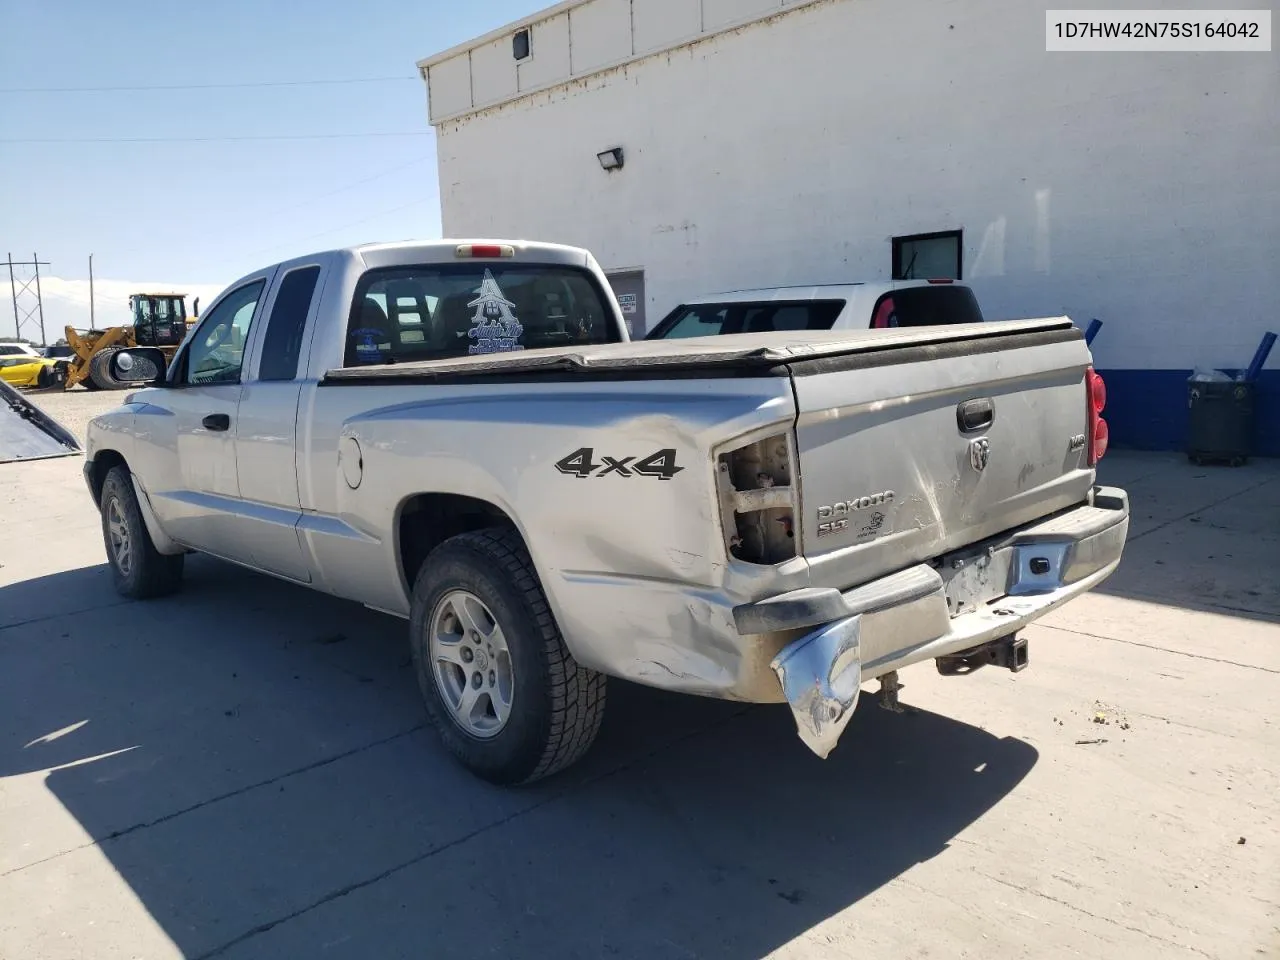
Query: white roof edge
[784, 8]
[468, 45]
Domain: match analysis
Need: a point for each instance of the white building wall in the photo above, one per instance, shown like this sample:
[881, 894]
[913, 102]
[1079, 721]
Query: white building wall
[1140, 189]
[572, 40]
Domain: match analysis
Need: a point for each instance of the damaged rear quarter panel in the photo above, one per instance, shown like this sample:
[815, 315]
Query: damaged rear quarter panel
[630, 561]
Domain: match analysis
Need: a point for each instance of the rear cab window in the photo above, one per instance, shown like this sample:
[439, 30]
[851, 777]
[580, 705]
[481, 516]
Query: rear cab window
[932, 306]
[715, 319]
[444, 311]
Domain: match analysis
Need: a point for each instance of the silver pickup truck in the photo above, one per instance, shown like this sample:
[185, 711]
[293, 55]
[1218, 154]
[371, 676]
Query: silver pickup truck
[459, 434]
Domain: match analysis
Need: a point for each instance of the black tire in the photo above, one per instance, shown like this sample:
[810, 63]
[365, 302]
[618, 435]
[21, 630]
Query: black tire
[146, 573]
[557, 705]
[100, 371]
[88, 383]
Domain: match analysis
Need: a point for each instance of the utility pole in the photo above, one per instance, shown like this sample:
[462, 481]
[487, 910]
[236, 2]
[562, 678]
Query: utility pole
[92, 325]
[35, 262]
[17, 324]
[19, 289]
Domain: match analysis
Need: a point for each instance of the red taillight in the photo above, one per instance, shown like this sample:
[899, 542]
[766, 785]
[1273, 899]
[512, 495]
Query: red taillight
[941, 280]
[1101, 437]
[884, 313]
[1097, 392]
[1096, 401]
[484, 250]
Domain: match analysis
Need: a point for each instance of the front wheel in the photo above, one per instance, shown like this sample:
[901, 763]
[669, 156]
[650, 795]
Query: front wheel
[138, 569]
[501, 688]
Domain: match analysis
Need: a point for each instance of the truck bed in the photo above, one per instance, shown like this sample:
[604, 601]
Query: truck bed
[745, 354]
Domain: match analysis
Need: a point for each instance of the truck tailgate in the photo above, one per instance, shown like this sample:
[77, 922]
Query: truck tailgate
[909, 452]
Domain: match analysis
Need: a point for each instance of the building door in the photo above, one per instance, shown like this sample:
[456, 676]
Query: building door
[628, 287]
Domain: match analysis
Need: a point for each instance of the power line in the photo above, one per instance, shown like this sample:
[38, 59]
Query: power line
[297, 241]
[347, 225]
[308, 202]
[366, 219]
[342, 189]
[236, 139]
[210, 86]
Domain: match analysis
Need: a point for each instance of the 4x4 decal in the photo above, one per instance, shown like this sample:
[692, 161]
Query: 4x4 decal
[582, 464]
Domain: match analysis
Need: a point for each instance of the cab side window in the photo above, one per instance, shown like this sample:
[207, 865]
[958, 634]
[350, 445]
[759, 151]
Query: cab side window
[216, 353]
[282, 345]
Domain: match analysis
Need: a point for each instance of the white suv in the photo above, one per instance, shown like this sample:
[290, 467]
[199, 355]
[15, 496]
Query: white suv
[848, 306]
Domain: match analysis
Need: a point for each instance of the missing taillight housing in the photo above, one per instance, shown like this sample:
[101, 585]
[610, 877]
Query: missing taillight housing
[1096, 401]
[756, 487]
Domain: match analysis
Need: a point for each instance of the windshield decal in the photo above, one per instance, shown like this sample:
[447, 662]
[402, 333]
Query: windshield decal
[496, 328]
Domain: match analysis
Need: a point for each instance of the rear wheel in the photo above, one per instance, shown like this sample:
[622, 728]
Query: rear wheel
[138, 569]
[501, 688]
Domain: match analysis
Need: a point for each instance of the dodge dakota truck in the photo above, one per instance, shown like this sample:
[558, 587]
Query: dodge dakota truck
[460, 434]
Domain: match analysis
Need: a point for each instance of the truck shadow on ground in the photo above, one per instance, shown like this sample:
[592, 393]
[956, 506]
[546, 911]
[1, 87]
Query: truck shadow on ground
[251, 758]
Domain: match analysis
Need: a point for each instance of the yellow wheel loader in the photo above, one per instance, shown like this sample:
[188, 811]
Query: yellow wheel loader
[159, 320]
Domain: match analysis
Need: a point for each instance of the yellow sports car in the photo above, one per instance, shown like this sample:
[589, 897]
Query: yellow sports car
[23, 366]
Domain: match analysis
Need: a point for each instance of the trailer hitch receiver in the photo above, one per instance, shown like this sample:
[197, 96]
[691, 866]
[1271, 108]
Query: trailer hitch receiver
[1010, 652]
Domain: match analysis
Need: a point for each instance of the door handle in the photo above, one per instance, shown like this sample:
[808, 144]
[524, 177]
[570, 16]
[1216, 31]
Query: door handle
[217, 422]
[973, 415]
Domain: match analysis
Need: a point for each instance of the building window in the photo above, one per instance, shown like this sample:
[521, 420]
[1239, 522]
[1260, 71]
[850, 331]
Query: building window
[928, 256]
[520, 44]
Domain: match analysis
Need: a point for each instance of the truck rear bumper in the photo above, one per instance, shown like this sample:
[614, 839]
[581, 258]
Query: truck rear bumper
[973, 596]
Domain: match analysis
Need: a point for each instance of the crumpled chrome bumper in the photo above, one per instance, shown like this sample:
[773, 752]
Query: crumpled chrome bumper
[821, 677]
[976, 595]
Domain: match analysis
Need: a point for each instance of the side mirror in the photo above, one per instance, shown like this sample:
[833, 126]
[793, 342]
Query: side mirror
[138, 365]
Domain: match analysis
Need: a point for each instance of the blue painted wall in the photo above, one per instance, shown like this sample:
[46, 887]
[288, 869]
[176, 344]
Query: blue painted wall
[1147, 410]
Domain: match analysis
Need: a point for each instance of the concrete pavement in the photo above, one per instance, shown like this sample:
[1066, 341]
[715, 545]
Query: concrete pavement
[242, 771]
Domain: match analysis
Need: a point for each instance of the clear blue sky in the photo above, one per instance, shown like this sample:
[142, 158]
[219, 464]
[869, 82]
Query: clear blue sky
[207, 212]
